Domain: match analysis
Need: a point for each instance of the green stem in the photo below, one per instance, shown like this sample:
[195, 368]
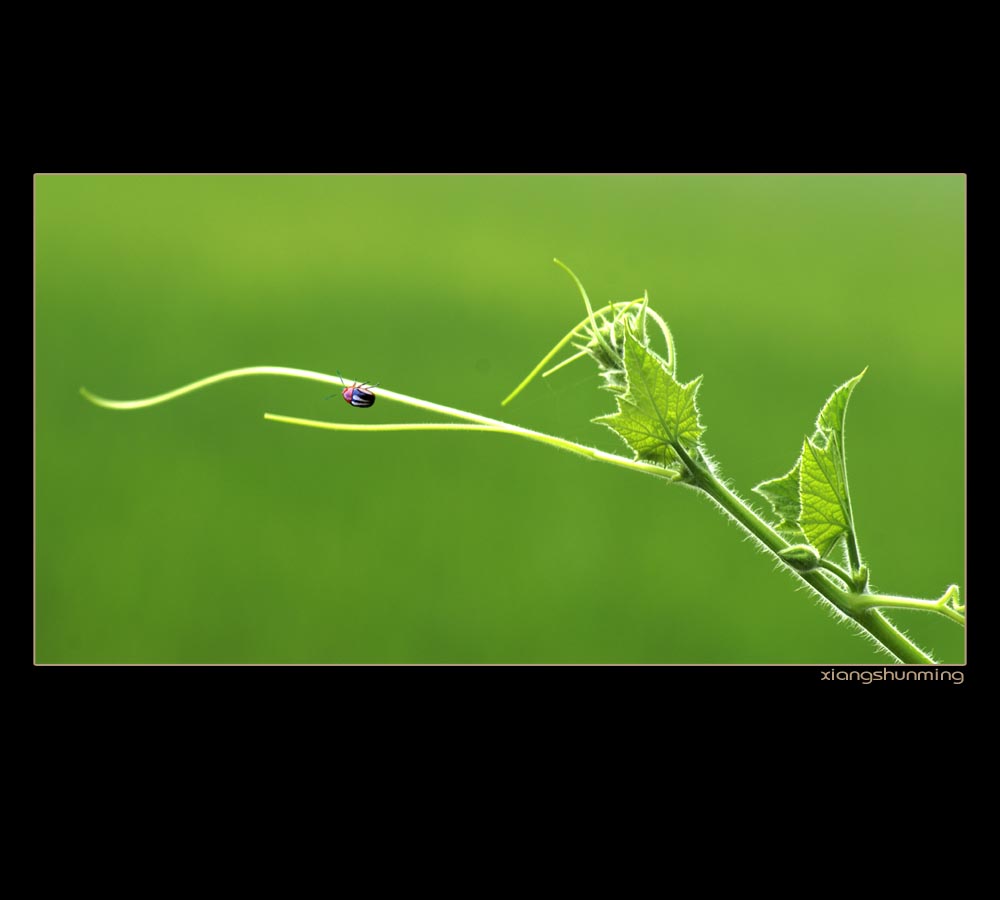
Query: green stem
[875, 601]
[592, 318]
[498, 428]
[859, 607]
[671, 359]
[205, 382]
[853, 553]
[897, 643]
[565, 362]
[385, 393]
[837, 570]
[870, 619]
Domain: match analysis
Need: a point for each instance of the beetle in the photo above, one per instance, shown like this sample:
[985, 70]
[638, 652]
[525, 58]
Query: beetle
[359, 395]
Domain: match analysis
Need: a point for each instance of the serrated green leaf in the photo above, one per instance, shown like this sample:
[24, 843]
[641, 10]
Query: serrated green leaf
[634, 427]
[812, 499]
[657, 412]
[825, 513]
[783, 495]
[831, 417]
[826, 503]
[660, 396]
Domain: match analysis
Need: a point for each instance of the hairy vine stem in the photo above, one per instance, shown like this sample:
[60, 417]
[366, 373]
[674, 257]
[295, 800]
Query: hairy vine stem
[861, 607]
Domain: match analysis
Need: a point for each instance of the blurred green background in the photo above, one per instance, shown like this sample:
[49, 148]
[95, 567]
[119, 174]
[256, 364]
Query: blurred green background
[196, 532]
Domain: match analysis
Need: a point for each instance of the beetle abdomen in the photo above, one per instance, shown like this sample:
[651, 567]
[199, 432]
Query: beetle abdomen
[361, 397]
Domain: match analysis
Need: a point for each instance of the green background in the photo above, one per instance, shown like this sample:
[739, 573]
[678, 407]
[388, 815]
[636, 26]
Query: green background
[197, 532]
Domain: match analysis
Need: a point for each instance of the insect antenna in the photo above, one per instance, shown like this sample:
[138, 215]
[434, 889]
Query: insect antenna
[341, 377]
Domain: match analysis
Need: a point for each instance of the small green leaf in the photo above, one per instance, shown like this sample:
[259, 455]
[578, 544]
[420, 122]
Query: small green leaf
[831, 417]
[825, 514]
[783, 495]
[812, 500]
[657, 413]
[826, 503]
